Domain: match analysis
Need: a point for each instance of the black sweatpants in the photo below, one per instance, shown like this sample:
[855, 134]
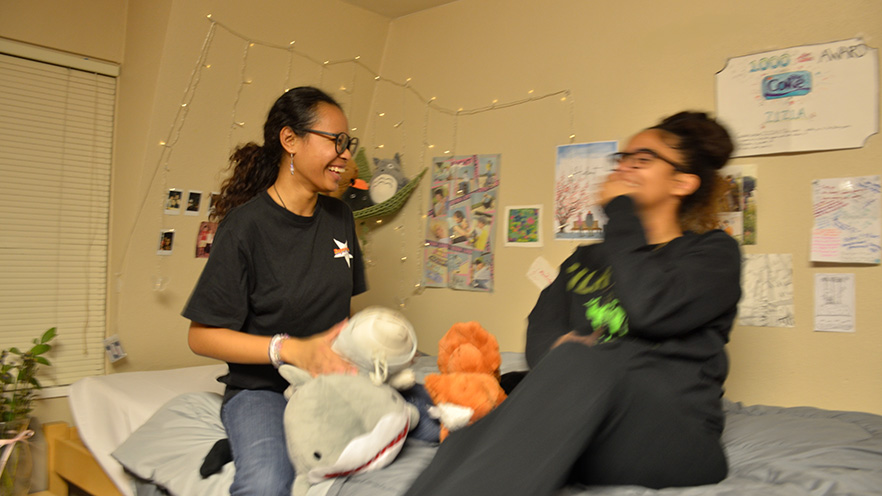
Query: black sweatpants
[582, 415]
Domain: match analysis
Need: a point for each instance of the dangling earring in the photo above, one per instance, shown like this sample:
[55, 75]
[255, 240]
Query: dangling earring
[292, 164]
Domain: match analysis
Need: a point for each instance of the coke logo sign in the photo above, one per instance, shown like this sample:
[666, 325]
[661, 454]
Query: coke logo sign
[787, 85]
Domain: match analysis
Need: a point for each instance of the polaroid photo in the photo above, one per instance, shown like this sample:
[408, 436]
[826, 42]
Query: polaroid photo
[173, 201]
[194, 202]
[166, 242]
[212, 201]
[114, 349]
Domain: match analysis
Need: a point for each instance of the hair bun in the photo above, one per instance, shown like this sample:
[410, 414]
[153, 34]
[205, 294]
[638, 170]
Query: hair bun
[704, 140]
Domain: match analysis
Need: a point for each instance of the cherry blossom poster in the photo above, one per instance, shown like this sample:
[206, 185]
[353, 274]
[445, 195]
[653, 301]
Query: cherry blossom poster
[461, 223]
[579, 174]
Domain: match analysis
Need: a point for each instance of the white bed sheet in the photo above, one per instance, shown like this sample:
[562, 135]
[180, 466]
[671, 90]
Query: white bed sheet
[107, 409]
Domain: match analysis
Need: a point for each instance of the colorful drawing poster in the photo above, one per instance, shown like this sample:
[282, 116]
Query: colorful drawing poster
[579, 174]
[738, 212]
[847, 225]
[814, 97]
[461, 222]
[522, 226]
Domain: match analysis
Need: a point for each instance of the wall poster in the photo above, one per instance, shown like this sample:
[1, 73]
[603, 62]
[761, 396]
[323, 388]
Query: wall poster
[579, 174]
[461, 223]
[813, 97]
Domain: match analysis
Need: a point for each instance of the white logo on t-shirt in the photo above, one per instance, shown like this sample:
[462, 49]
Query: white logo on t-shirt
[342, 251]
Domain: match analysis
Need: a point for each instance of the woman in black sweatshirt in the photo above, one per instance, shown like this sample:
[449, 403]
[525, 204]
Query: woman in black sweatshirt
[626, 346]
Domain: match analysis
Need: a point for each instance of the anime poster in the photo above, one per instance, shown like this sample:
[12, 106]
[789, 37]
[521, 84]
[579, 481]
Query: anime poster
[579, 174]
[461, 222]
[739, 208]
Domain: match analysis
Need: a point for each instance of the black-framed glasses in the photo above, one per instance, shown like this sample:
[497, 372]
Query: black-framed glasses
[342, 141]
[641, 159]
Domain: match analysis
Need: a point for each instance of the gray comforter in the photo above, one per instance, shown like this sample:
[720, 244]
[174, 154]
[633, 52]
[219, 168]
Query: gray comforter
[772, 451]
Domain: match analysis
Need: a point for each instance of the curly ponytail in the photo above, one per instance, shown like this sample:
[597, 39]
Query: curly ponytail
[256, 167]
[706, 147]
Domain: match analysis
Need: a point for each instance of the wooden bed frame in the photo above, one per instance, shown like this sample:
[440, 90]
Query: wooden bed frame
[70, 462]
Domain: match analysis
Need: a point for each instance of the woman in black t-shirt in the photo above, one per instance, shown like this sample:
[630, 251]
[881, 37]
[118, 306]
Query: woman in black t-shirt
[626, 346]
[284, 265]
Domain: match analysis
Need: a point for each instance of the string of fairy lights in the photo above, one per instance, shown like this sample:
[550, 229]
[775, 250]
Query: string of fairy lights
[378, 121]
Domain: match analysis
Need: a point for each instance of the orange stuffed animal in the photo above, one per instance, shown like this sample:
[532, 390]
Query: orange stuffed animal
[349, 175]
[468, 386]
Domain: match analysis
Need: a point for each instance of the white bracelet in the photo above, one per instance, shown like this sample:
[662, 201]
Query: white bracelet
[275, 349]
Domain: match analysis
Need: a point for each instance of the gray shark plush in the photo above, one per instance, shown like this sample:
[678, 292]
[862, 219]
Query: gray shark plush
[338, 425]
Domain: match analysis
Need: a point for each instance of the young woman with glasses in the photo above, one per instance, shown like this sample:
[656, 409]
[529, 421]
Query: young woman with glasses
[626, 346]
[284, 265]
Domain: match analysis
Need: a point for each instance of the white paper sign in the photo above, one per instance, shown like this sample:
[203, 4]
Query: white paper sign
[541, 272]
[814, 97]
[834, 302]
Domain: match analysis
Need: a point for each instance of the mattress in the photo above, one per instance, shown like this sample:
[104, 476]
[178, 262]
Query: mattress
[108, 409]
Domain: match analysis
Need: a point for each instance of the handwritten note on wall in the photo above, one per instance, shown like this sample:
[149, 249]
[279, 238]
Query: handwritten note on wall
[846, 220]
[834, 302]
[767, 286]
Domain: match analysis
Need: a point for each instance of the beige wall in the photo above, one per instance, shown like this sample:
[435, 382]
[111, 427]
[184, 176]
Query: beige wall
[160, 74]
[625, 64]
[94, 28]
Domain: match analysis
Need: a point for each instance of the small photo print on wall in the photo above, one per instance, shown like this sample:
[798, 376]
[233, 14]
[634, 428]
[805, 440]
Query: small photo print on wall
[194, 202]
[173, 201]
[205, 238]
[215, 196]
[166, 242]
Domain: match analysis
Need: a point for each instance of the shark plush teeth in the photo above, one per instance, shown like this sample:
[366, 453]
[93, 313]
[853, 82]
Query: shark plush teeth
[338, 425]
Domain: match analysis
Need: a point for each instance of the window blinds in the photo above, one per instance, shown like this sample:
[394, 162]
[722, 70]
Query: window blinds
[56, 130]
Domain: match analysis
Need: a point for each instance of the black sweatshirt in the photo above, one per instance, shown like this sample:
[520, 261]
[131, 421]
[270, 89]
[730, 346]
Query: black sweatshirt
[678, 298]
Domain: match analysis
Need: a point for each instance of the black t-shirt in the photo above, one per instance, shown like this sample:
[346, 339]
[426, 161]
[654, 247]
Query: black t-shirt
[272, 271]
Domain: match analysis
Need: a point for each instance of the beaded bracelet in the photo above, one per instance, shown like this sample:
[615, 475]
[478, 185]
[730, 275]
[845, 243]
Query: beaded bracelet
[275, 349]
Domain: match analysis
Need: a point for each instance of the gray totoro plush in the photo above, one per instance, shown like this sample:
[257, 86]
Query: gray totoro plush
[388, 178]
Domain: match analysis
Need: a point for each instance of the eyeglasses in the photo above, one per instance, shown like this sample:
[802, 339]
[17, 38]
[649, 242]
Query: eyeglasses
[342, 141]
[642, 159]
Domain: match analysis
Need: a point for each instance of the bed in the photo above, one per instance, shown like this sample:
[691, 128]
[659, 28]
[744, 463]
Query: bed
[148, 432]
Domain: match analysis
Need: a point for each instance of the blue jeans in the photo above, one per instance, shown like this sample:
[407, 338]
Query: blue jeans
[253, 420]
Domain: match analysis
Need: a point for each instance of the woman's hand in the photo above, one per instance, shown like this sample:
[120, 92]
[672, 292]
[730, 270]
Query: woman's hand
[574, 337]
[314, 354]
[615, 185]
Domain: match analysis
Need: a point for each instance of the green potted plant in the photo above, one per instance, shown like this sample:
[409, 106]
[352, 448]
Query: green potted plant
[18, 383]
